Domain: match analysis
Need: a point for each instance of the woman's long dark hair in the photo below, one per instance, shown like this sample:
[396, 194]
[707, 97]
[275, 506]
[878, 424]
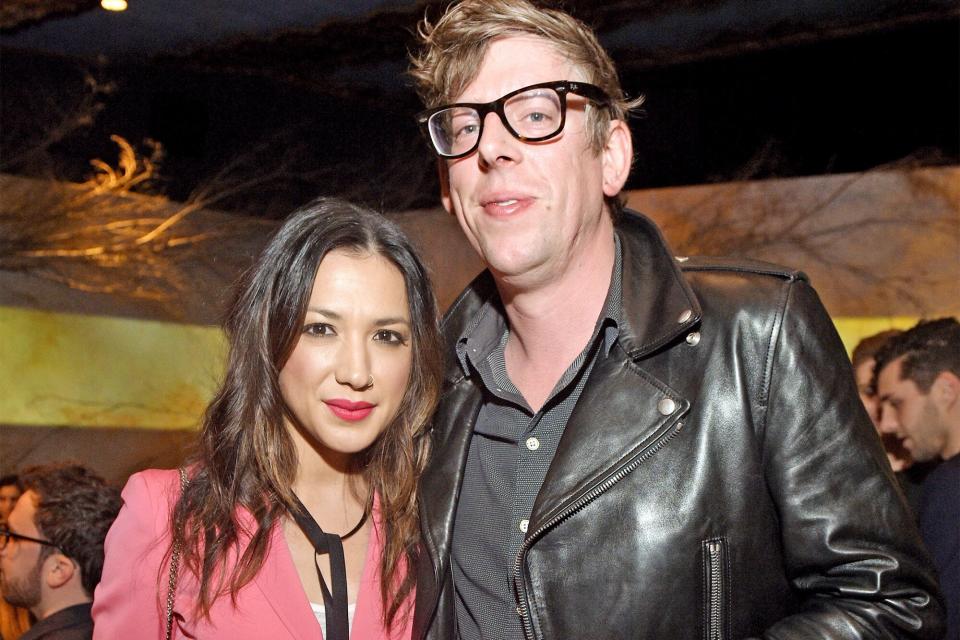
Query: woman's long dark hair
[245, 458]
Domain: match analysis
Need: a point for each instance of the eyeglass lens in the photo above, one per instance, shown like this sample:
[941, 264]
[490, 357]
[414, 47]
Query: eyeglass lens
[533, 114]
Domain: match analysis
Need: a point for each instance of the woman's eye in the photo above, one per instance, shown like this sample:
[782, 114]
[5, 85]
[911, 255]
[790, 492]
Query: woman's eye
[319, 329]
[390, 337]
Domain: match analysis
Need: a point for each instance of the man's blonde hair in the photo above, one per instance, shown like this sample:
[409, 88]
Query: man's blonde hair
[453, 49]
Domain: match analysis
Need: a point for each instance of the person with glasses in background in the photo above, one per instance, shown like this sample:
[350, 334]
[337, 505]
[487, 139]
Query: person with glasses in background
[13, 620]
[51, 549]
[630, 444]
[10, 490]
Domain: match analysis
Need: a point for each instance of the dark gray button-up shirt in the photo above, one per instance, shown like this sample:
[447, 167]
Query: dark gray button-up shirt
[510, 452]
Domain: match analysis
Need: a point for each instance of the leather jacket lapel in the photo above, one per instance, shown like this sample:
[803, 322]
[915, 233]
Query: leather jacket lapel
[440, 484]
[439, 491]
[621, 415]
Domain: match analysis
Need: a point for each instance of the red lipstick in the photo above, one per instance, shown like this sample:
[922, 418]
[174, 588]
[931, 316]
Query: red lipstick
[349, 411]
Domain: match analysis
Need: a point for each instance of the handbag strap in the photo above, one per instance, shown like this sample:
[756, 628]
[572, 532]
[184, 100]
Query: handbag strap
[174, 562]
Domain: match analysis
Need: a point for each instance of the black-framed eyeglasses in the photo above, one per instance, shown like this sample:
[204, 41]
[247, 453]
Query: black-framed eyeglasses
[6, 536]
[530, 114]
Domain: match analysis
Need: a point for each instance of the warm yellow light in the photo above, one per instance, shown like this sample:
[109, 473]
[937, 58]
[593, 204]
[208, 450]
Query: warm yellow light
[114, 5]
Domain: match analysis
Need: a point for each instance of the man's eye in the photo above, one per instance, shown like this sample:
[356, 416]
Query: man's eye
[468, 130]
[319, 330]
[390, 337]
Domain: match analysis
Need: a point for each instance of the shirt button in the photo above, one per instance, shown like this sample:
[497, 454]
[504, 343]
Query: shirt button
[533, 444]
[523, 525]
[686, 315]
[693, 338]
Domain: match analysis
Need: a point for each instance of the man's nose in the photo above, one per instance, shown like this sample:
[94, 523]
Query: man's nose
[497, 144]
[888, 422]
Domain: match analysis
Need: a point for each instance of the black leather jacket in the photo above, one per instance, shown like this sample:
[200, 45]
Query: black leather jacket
[717, 479]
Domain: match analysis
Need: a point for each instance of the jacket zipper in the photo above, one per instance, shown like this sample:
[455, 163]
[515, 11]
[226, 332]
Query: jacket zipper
[715, 559]
[523, 607]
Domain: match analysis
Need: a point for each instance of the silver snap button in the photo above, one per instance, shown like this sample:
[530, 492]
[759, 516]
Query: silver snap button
[686, 315]
[666, 406]
[693, 338]
[533, 444]
[523, 525]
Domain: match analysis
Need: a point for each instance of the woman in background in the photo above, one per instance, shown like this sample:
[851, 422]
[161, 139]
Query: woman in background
[298, 511]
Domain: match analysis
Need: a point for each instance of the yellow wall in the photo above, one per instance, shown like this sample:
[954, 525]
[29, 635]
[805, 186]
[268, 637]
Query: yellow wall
[852, 330]
[66, 369]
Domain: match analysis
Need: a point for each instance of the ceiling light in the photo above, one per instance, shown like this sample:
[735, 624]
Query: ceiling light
[114, 5]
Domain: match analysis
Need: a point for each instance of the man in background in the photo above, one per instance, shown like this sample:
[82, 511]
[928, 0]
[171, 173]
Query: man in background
[917, 379]
[51, 550]
[910, 475]
[13, 620]
[10, 490]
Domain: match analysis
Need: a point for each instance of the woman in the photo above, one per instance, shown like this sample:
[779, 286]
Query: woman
[318, 429]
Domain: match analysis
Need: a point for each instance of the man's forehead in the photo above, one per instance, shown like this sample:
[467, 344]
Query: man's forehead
[21, 518]
[891, 380]
[514, 61]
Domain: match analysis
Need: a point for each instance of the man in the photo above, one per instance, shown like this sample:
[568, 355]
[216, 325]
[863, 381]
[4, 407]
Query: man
[9, 492]
[630, 445]
[51, 553]
[917, 378]
[863, 359]
[13, 620]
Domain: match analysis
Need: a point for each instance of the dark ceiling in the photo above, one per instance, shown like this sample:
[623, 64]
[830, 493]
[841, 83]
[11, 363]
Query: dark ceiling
[735, 88]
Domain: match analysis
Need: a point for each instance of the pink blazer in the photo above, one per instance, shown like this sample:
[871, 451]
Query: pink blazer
[130, 601]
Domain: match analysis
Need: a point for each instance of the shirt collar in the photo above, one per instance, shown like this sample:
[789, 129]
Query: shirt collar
[487, 330]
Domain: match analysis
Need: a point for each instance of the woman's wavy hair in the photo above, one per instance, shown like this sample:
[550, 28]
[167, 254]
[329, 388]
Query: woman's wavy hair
[245, 457]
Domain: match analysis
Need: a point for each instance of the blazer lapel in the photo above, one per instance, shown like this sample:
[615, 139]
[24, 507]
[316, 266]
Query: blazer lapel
[280, 584]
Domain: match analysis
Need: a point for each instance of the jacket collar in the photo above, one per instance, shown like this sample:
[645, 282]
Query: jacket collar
[76, 618]
[658, 303]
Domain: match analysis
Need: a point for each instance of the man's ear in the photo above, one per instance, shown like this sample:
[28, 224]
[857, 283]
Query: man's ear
[617, 157]
[444, 174]
[946, 389]
[58, 570]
